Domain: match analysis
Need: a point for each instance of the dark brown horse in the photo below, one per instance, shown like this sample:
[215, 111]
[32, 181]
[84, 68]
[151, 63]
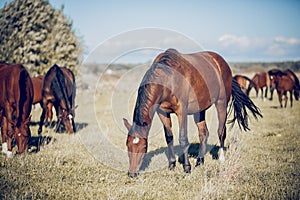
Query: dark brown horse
[37, 97]
[184, 84]
[243, 81]
[15, 104]
[259, 81]
[59, 89]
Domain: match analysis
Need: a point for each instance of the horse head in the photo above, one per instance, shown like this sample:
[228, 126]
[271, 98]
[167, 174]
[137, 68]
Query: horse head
[67, 119]
[22, 135]
[137, 147]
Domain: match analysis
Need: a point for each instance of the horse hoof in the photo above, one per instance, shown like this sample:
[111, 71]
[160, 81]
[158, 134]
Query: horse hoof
[187, 169]
[200, 161]
[172, 165]
[39, 131]
[9, 154]
[4, 148]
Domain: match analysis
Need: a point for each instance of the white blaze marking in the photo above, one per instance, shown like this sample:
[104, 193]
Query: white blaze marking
[136, 140]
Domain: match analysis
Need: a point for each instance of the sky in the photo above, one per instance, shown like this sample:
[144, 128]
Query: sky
[241, 31]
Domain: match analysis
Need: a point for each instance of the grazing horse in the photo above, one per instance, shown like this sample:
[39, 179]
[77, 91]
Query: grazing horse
[283, 84]
[259, 81]
[184, 84]
[59, 89]
[15, 104]
[243, 81]
[37, 98]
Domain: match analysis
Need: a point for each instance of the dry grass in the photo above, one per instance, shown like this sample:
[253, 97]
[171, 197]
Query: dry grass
[263, 163]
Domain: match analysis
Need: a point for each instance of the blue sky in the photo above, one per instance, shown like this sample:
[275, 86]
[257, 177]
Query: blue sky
[257, 30]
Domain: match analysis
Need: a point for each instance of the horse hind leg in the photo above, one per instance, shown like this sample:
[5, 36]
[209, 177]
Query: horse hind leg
[291, 98]
[285, 99]
[199, 119]
[166, 120]
[221, 107]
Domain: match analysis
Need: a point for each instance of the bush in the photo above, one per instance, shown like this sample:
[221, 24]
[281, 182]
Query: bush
[38, 36]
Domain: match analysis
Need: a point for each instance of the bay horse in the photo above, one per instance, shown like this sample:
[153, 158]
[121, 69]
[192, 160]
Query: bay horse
[259, 81]
[15, 104]
[243, 81]
[272, 86]
[37, 97]
[283, 84]
[295, 80]
[59, 89]
[184, 84]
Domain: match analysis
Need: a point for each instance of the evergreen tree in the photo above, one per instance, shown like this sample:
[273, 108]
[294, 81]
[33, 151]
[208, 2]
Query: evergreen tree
[38, 36]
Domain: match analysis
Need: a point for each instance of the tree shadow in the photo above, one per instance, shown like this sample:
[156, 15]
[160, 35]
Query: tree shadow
[193, 152]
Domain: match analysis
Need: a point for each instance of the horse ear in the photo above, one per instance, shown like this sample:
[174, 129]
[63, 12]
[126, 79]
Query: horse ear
[74, 107]
[126, 123]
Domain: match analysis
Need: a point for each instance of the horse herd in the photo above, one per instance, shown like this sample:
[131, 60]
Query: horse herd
[283, 81]
[184, 84]
[18, 92]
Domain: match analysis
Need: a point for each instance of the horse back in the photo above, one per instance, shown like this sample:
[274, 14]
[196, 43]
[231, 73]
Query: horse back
[37, 88]
[215, 72]
[199, 79]
[58, 86]
[16, 92]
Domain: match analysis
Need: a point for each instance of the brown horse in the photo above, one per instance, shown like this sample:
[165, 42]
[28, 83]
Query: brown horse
[59, 89]
[271, 74]
[15, 104]
[37, 97]
[184, 84]
[296, 85]
[259, 81]
[243, 81]
[283, 84]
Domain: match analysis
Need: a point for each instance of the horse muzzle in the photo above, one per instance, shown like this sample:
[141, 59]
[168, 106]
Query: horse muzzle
[132, 174]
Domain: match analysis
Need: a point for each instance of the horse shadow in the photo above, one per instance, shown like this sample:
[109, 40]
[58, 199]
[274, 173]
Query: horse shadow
[35, 142]
[193, 153]
[79, 125]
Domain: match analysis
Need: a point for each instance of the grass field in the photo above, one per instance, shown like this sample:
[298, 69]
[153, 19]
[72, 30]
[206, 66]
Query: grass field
[263, 163]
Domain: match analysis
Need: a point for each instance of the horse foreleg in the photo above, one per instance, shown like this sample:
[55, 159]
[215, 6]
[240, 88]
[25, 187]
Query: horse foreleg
[262, 93]
[42, 118]
[183, 139]
[266, 92]
[166, 120]
[199, 119]
[285, 99]
[291, 98]
[49, 115]
[221, 107]
[4, 135]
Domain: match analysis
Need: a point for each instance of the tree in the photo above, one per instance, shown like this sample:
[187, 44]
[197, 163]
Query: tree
[38, 36]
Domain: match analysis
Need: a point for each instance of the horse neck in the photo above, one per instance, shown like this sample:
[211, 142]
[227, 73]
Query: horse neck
[146, 104]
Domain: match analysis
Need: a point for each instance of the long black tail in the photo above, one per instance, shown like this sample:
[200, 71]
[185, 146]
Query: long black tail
[240, 103]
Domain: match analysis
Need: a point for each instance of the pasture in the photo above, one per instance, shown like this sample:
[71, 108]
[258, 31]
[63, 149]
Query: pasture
[92, 164]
